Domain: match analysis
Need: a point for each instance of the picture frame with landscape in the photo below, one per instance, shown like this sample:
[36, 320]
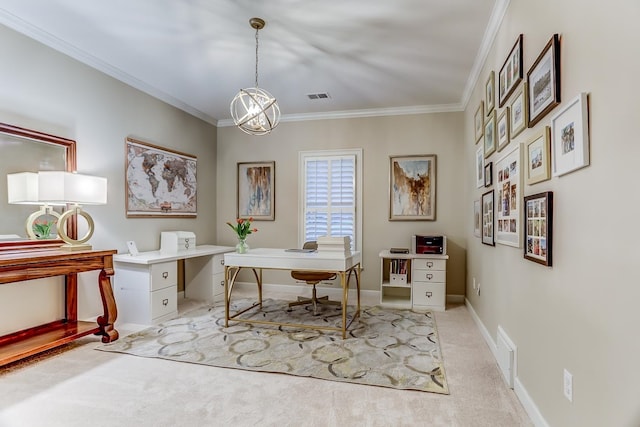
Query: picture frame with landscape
[538, 219]
[490, 92]
[519, 112]
[511, 72]
[478, 121]
[502, 126]
[543, 81]
[537, 158]
[570, 136]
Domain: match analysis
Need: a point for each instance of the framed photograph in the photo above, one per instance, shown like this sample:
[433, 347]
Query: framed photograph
[503, 129]
[256, 190]
[487, 218]
[490, 135]
[511, 72]
[543, 81]
[159, 182]
[537, 158]
[519, 112]
[480, 167]
[412, 188]
[479, 121]
[509, 187]
[476, 218]
[570, 136]
[488, 174]
[490, 92]
[538, 219]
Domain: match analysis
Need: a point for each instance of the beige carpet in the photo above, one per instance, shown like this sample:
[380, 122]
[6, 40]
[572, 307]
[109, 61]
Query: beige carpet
[82, 387]
[384, 347]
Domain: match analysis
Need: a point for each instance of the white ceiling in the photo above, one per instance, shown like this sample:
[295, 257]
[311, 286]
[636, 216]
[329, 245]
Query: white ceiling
[373, 57]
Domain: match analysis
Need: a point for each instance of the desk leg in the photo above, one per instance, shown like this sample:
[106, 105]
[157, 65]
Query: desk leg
[345, 300]
[108, 319]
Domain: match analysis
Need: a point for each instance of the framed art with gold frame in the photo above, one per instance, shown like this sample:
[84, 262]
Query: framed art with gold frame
[537, 158]
[518, 112]
[502, 126]
[490, 135]
[478, 121]
[490, 92]
[256, 190]
[412, 188]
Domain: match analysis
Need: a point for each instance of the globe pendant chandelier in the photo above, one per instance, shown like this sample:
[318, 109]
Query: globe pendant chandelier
[255, 111]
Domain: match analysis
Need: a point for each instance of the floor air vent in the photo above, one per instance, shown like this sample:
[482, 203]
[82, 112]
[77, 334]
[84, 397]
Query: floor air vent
[506, 354]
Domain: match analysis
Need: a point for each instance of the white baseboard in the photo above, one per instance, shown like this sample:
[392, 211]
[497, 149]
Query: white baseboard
[521, 392]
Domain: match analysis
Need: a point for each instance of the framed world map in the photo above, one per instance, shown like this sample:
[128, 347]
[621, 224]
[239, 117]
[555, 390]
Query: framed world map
[159, 182]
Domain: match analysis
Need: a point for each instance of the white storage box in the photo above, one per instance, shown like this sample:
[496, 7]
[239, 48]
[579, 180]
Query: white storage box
[174, 241]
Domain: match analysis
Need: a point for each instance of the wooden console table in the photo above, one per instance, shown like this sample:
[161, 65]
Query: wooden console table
[37, 264]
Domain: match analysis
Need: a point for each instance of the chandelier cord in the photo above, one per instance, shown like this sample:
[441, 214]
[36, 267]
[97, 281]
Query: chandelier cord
[257, 29]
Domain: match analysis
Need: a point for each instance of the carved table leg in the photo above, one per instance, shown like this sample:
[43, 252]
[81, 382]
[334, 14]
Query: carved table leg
[106, 321]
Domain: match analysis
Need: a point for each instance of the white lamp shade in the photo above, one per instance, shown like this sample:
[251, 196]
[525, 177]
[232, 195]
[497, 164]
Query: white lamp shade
[22, 188]
[66, 187]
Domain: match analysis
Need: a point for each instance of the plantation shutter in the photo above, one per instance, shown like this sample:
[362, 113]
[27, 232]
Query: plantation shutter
[330, 197]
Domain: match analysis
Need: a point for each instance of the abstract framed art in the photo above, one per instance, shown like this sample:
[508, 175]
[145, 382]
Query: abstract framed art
[256, 190]
[538, 219]
[159, 182]
[543, 81]
[412, 188]
[570, 136]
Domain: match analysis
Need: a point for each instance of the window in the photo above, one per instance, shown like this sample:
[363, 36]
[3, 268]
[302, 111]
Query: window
[330, 195]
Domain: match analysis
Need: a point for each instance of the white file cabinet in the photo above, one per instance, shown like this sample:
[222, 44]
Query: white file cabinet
[146, 285]
[415, 281]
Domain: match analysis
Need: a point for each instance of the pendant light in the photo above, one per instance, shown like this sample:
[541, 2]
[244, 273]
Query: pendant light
[255, 111]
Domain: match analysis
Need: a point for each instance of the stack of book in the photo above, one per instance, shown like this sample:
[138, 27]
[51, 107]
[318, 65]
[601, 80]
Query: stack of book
[340, 245]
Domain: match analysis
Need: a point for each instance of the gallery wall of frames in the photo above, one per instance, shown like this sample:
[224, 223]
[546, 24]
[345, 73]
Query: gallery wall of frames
[509, 211]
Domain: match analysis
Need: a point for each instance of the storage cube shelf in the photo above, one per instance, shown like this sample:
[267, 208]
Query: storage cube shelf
[413, 281]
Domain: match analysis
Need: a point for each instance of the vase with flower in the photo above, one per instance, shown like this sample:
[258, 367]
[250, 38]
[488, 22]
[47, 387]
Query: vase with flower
[242, 229]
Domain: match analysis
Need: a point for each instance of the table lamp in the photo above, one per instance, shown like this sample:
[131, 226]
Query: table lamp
[22, 189]
[56, 187]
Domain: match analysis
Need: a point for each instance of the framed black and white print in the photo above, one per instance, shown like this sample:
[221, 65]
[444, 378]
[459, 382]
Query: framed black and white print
[570, 136]
[543, 81]
[490, 135]
[511, 72]
[538, 220]
[490, 92]
[519, 112]
[487, 218]
[488, 174]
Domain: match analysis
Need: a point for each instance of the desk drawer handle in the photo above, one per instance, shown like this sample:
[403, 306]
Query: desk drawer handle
[165, 302]
[429, 276]
[165, 274]
[429, 264]
[222, 262]
[428, 294]
[222, 283]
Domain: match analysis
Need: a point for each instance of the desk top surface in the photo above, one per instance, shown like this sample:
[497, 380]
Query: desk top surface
[282, 259]
[153, 257]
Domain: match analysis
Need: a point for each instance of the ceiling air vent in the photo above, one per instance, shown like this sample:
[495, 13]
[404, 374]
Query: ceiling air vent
[323, 95]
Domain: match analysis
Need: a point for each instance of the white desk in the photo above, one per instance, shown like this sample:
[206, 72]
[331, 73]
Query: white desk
[146, 285]
[344, 266]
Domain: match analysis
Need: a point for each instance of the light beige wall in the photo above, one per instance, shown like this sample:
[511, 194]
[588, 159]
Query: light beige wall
[48, 91]
[379, 137]
[581, 314]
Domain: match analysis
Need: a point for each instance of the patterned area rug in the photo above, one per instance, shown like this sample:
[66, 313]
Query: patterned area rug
[389, 348]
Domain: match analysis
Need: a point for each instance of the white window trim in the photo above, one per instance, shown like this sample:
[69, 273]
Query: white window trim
[302, 155]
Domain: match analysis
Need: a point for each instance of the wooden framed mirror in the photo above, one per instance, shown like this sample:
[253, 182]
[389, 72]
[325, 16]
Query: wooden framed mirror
[27, 150]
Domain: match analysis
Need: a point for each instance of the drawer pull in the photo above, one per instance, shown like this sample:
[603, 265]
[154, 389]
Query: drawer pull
[222, 261]
[430, 264]
[165, 274]
[186, 243]
[429, 276]
[428, 294]
[165, 302]
[222, 283]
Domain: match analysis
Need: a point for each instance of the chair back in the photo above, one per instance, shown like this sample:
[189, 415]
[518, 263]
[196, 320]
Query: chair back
[312, 244]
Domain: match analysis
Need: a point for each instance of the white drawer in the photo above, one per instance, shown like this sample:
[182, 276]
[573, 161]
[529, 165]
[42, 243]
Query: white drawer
[164, 274]
[429, 264]
[218, 284]
[218, 264]
[164, 301]
[429, 276]
[429, 294]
